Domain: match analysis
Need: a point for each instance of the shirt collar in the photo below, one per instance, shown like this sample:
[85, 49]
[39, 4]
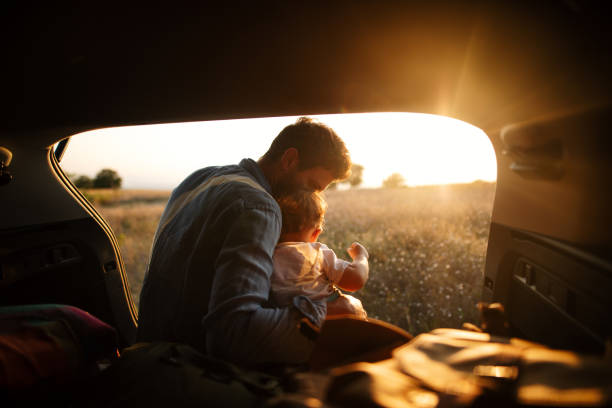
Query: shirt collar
[255, 171]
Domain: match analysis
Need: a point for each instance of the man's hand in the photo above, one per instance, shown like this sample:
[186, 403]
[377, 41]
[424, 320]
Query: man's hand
[346, 304]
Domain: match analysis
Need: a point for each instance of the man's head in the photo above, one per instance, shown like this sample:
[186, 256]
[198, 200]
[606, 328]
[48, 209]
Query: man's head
[303, 215]
[305, 155]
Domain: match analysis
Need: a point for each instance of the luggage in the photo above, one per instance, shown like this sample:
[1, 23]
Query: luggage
[360, 364]
[458, 368]
[46, 349]
[345, 339]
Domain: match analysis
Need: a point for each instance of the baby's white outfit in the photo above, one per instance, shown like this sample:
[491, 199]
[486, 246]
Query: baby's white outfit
[304, 268]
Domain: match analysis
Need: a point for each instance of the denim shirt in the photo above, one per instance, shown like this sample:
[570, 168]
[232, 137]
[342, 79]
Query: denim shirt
[208, 279]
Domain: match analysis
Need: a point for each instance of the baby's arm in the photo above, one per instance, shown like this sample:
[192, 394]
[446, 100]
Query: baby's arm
[356, 273]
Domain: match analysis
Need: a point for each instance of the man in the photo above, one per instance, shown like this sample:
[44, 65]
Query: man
[208, 278]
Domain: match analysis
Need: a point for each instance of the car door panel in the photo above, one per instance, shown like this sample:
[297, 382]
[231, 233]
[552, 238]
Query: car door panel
[549, 250]
[55, 248]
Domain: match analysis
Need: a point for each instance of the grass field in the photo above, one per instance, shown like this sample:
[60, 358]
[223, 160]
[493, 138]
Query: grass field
[427, 245]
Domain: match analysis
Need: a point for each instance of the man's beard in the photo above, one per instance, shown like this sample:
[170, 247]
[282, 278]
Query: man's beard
[285, 184]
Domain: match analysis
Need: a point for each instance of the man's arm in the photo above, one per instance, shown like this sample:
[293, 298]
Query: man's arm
[238, 327]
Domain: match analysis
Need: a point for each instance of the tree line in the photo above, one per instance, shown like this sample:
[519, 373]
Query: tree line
[109, 178]
[105, 178]
[395, 180]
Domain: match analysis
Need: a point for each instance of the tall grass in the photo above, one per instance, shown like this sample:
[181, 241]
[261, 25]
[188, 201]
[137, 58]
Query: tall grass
[110, 197]
[427, 249]
[427, 246]
[134, 226]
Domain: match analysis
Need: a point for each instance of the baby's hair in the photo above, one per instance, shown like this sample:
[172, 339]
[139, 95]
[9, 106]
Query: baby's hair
[301, 210]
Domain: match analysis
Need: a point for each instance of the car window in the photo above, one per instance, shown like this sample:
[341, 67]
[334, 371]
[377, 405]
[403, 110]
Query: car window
[419, 199]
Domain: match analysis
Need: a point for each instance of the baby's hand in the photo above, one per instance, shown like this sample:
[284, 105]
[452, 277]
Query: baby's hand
[357, 250]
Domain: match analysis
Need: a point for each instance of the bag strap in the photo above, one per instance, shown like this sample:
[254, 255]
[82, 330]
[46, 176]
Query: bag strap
[222, 371]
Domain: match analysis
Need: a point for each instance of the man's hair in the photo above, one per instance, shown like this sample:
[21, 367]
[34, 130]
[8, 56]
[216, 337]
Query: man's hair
[317, 145]
[301, 210]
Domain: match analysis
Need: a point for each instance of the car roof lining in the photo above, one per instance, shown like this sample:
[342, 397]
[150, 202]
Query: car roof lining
[491, 65]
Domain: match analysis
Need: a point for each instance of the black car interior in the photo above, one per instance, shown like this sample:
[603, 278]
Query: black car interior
[533, 75]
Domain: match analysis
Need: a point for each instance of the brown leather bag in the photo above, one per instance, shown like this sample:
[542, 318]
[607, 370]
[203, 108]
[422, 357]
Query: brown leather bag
[449, 367]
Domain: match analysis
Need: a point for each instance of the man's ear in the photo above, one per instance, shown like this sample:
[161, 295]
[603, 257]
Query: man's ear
[290, 159]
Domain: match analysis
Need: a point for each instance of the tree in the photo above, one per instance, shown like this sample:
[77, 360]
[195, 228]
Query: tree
[356, 177]
[83, 181]
[107, 178]
[395, 180]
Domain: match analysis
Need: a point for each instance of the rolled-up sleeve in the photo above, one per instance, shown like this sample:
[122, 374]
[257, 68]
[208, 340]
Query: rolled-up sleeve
[238, 327]
[333, 266]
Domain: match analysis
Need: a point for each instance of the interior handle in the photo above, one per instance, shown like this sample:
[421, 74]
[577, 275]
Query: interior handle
[537, 170]
[534, 154]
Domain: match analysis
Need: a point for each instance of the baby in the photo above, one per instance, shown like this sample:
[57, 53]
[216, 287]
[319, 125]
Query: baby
[303, 266]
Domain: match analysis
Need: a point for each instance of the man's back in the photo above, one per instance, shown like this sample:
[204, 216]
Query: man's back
[197, 223]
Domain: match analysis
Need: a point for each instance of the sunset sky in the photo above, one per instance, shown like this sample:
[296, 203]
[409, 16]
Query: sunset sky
[424, 149]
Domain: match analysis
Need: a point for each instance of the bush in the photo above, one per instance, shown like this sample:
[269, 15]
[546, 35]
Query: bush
[107, 178]
[395, 180]
[83, 182]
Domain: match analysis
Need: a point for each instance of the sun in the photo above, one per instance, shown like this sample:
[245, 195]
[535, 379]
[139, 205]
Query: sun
[424, 149]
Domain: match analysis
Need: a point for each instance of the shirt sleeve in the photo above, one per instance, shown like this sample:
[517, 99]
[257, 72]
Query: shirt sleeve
[333, 267]
[238, 326]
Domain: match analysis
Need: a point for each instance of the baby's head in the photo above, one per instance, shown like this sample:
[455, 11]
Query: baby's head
[303, 213]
